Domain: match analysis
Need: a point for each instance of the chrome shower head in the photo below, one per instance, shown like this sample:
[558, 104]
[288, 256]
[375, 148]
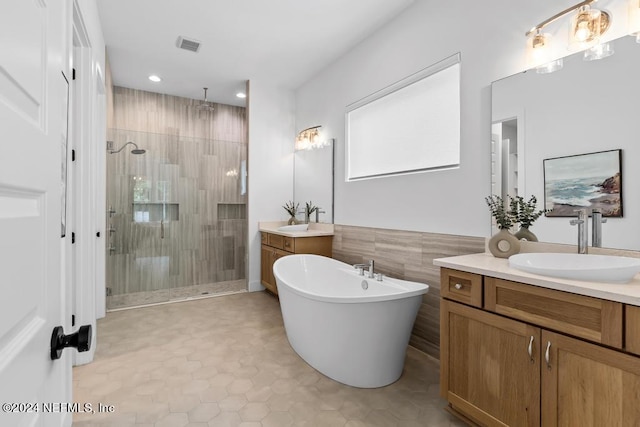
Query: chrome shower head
[205, 105]
[134, 151]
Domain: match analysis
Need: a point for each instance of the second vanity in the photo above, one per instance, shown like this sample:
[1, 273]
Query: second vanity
[275, 243]
[519, 349]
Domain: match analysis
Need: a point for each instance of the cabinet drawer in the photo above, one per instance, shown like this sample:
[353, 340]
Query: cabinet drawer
[276, 241]
[289, 244]
[264, 238]
[461, 286]
[590, 318]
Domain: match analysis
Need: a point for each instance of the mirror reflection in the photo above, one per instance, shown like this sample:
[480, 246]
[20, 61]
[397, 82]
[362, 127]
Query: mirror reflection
[313, 181]
[587, 107]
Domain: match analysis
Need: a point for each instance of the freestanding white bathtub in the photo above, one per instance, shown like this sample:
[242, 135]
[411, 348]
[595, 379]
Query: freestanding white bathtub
[353, 335]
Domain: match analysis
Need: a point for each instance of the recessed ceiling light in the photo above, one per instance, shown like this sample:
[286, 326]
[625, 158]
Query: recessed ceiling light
[241, 95]
[155, 78]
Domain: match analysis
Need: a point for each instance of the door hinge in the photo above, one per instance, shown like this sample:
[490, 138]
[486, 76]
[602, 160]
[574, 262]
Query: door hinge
[73, 237]
[73, 320]
[73, 155]
[73, 74]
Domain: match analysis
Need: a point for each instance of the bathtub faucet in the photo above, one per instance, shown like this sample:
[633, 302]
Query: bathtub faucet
[368, 266]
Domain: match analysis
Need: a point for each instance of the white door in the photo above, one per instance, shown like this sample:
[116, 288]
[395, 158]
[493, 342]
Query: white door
[33, 93]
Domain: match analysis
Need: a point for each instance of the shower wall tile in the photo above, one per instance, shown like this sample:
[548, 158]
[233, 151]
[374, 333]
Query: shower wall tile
[407, 255]
[141, 111]
[193, 160]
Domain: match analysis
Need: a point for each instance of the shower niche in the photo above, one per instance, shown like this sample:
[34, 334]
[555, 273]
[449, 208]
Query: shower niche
[177, 223]
[153, 201]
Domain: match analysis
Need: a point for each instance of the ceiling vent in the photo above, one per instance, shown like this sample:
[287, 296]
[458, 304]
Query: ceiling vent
[188, 44]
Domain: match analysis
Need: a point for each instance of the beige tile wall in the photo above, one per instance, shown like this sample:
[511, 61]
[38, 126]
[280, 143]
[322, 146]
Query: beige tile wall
[407, 255]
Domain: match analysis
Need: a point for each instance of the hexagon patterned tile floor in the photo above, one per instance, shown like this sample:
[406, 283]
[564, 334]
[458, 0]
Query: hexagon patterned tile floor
[226, 361]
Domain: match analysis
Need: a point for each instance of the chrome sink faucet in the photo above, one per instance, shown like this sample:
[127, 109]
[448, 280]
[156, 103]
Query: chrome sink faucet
[368, 266]
[596, 227]
[307, 214]
[583, 236]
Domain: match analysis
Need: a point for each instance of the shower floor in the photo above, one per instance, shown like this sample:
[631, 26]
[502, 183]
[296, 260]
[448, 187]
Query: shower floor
[182, 293]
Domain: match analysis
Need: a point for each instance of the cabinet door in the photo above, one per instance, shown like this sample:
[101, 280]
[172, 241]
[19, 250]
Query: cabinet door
[267, 259]
[586, 385]
[268, 256]
[487, 370]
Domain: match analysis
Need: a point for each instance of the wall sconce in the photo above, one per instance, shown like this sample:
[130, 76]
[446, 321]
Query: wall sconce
[586, 27]
[310, 139]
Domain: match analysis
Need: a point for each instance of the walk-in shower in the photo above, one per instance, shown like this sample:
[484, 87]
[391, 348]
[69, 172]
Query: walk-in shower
[176, 222]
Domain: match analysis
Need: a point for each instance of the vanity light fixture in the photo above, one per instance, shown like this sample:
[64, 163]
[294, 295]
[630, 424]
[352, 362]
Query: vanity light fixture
[241, 95]
[586, 27]
[154, 78]
[310, 139]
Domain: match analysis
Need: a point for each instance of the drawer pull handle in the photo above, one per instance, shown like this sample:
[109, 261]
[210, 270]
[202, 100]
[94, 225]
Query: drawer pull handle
[547, 355]
[530, 349]
[458, 286]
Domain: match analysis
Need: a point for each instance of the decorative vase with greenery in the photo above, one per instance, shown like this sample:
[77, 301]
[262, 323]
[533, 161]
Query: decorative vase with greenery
[502, 244]
[292, 210]
[526, 214]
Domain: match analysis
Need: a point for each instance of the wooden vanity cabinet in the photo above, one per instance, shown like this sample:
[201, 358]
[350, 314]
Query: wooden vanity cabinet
[275, 246]
[532, 356]
[486, 370]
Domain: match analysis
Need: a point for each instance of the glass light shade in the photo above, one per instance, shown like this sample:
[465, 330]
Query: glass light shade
[586, 27]
[582, 26]
[538, 49]
[599, 51]
[550, 67]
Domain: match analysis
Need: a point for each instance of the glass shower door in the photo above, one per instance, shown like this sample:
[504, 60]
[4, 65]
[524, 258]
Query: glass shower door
[143, 202]
[178, 224]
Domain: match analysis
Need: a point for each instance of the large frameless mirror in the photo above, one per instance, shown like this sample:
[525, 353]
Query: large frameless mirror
[586, 107]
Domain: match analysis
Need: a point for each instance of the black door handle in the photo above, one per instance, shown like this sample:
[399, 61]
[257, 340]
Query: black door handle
[80, 340]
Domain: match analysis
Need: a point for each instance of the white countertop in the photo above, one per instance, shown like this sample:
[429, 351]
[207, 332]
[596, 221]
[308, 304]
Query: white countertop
[488, 265]
[315, 229]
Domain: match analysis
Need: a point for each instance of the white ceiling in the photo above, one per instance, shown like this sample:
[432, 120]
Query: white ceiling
[281, 42]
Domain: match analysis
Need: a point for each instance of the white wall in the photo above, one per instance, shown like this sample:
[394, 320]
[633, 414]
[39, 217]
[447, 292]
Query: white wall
[270, 112]
[490, 37]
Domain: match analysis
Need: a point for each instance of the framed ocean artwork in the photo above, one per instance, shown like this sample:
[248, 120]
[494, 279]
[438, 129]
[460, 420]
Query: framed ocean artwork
[584, 181]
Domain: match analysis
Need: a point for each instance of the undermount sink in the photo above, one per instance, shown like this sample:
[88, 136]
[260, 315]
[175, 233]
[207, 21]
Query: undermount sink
[294, 227]
[592, 268]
